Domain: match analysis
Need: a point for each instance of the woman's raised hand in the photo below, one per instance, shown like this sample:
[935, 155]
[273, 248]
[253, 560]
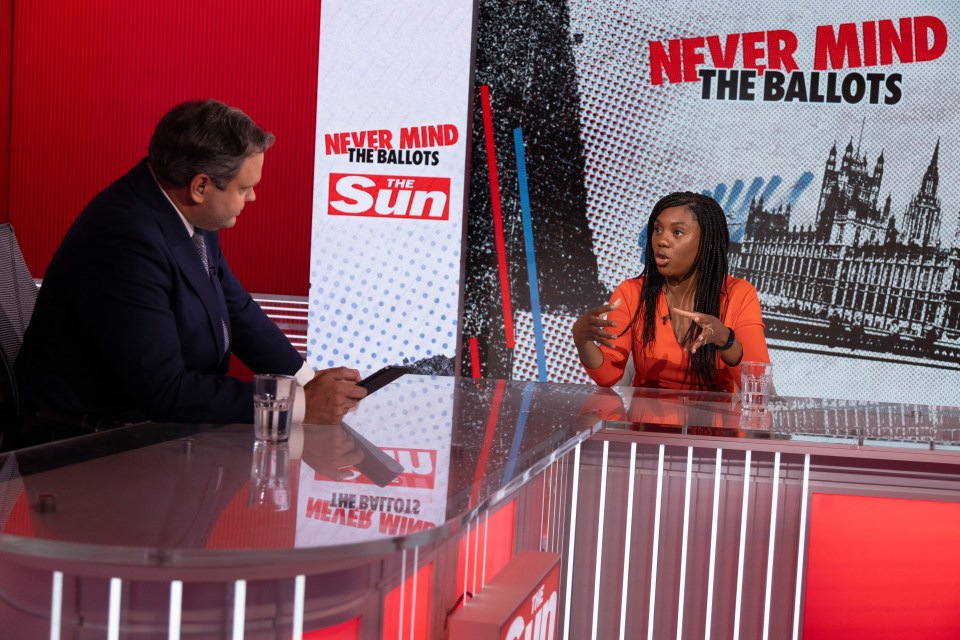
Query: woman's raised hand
[591, 326]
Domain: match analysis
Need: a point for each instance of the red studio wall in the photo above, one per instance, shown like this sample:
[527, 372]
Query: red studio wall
[89, 80]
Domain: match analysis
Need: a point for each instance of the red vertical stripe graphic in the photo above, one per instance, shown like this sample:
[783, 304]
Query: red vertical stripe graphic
[497, 215]
[474, 357]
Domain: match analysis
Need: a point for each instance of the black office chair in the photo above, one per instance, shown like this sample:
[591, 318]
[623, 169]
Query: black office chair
[18, 294]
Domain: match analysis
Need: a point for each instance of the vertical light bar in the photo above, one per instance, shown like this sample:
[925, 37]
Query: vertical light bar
[176, 609]
[600, 516]
[656, 544]
[466, 561]
[562, 516]
[743, 542]
[56, 605]
[683, 545]
[476, 556]
[403, 582]
[802, 547]
[544, 509]
[113, 617]
[626, 541]
[486, 527]
[546, 503]
[573, 536]
[239, 608]
[770, 547]
[713, 542]
[413, 597]
[299, 596]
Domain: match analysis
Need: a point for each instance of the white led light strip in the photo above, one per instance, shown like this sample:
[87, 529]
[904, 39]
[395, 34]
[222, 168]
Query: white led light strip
[683, 546]
[656, 545]
[743, 542]
[403, 582]
[239, 608]
[626, 541]
[544, 508]
[771, 545]
[573, 531]
[476, 556]
[113, 617]
[803, 539]
[466, 562]
[562, 519]
[56, 605]
[713, 543]
[299, 596]
[600, 518]
[486, 527]
[176, 609]
[413, 597]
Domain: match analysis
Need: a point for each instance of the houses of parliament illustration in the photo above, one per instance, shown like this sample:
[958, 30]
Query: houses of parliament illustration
[858, 278]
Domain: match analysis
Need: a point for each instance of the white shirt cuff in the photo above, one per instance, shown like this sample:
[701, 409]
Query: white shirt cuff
[303, 376]
[295, 443]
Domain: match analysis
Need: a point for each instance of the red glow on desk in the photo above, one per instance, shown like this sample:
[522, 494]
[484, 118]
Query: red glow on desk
[882, 568]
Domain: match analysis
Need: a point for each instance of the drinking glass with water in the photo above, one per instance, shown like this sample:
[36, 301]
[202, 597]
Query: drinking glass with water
[756, 381]
[273, 396]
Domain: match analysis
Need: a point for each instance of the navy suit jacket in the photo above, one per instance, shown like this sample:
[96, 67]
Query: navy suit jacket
[127, 325]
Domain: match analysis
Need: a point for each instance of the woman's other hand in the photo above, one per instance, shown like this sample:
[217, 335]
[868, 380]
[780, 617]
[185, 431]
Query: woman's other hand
[712, 330]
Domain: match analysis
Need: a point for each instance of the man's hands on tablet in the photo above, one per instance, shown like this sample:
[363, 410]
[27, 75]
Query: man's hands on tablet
[331, 394]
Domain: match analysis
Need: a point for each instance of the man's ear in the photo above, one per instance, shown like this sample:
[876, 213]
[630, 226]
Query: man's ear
[199, 187]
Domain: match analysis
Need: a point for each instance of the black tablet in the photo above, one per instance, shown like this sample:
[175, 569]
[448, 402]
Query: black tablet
[382, 377]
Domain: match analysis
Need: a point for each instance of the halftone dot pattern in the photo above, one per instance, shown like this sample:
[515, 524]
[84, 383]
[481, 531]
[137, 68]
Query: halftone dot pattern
[563, 365]
[398, 301]
[638, 143]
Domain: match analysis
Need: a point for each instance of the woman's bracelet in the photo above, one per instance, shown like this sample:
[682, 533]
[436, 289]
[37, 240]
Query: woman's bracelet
[730, 340]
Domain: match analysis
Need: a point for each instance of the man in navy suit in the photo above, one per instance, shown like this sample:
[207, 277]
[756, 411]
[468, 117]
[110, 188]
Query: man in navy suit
[133, 322]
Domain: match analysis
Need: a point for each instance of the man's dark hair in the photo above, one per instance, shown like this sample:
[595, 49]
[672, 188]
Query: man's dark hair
[204, 136]
[711, 262]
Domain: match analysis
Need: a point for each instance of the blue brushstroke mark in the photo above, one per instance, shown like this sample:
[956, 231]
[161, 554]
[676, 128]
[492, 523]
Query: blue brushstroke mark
[775, 182]
[799, 187]
[518, 434]
[719, 192]
[734, 194]
[737, 208]
[531, 259]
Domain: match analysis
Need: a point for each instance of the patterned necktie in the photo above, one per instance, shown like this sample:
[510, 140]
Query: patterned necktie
[201, 247]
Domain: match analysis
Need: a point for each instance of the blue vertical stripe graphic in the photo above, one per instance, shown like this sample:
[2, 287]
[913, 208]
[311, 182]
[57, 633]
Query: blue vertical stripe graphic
[531, 258]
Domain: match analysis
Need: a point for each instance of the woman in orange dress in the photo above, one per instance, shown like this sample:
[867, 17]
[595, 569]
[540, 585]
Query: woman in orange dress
[687, 323]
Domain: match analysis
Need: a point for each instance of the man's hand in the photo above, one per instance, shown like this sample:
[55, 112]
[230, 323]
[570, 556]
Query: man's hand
[331, 394]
